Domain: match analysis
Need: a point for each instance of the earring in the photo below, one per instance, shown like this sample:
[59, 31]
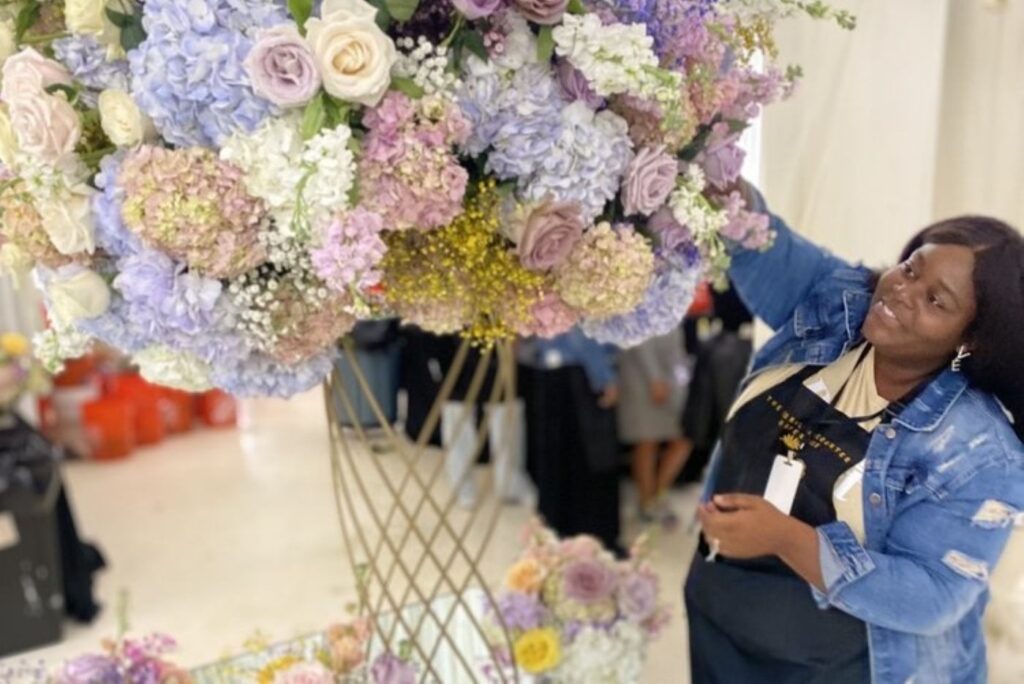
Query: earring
[958, 362]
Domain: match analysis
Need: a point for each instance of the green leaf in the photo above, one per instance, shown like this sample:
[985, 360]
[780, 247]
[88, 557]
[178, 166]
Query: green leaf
[301, 11]
[313, 117]
[336, 112]
[474, 42]
[132, 36]
[383, 17]
[119, 19]
[576, 7]
[545, 44]
[27, 18]
[407, 86]
[69, 92]
[401, 10]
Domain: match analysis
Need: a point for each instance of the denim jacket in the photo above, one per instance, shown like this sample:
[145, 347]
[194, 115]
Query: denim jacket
[943, 484]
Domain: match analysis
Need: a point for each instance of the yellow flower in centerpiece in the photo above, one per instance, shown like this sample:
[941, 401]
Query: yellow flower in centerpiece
[269, 673]
[526, 576]
[538, 650]
[13, 344]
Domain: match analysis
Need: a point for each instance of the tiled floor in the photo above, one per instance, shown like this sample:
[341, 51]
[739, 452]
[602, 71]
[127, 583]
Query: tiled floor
[220, 535]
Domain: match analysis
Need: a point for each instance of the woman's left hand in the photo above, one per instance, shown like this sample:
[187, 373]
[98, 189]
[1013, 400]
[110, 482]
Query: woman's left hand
[744, 526]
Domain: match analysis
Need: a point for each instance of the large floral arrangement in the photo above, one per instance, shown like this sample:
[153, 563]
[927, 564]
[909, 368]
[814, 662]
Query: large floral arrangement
[573, 613]
[223, 188]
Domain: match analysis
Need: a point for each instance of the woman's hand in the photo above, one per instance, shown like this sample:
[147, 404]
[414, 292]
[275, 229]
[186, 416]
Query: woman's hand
[660, 392]
[744, 526]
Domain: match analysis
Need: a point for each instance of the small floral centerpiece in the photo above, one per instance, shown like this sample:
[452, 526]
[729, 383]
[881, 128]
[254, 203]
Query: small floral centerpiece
[19, 371]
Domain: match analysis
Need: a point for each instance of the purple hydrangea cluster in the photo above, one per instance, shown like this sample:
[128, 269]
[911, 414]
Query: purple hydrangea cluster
[87, 61]
[189, 74]
[678, 27]
[662, 309]
[111, 234]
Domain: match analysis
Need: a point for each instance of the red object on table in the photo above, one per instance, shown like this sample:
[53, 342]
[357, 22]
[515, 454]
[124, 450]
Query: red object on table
[177, 409]
[217, 409]
[110, 428]
[145, 399]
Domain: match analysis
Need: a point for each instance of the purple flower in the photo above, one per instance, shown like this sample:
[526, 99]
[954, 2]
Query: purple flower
[89, 669]
[549, 234]
[589, 581]
[576, 86]
[158, 286]
[351, 250]
[476, 9]
[544, 12]
[638, 596]
[650, 179]
[521, 611]
[282, 68]
[722, 159]
[389, 669]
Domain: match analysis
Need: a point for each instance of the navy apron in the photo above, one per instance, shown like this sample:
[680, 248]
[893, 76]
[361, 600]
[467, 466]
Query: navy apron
[756, 620]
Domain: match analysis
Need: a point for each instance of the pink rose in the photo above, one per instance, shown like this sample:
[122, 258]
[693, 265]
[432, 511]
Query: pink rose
[549, 234]
[546, 12]
[28, 74]
[476, 9]
[638, 597]
[47, 126]
[650, 179]
[589, 581]
[282, 68]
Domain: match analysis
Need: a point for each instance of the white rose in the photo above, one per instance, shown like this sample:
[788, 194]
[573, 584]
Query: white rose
[85, 16]
[341, 9]
[7, 42]
[354, 57]
[27, 74]
[8, 141]
[47, 126]
[76, 293]
[122, 120]
[178, 370]
[68, 221]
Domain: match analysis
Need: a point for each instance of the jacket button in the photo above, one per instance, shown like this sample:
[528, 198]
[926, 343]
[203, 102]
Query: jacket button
[890, 433]
[875, 499]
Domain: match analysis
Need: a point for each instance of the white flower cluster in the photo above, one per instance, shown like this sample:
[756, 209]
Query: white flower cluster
[177, 369]
[520, 45]
[64, 202]
[55, 345]
[303, 183]
[599, 656]
[427, 66]
[691, 209]
[619, 59]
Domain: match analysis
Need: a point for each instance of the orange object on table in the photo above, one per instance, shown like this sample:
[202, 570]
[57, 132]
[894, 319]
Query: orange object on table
[177, 409]
[145, 399]
[110, 428]
[217, 409]
[76, 372]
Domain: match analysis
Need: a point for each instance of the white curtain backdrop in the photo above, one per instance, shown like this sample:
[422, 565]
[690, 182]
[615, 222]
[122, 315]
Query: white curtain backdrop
[916, 115]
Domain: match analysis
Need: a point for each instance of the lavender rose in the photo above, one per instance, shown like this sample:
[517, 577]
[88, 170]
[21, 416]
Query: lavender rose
[670, 233]
[638, 597]
[476, 9]
[520, 611]
[650, 179]
[576, 86]
[722, 159]
[88, 669]
[388, 669]
[549, 234]
[589, 581]
[282, 68]
[547, 12]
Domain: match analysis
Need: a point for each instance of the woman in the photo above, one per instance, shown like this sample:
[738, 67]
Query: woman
[868, 479]
[653, 377]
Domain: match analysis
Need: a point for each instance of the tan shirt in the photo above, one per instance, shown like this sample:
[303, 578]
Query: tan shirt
[860, 398]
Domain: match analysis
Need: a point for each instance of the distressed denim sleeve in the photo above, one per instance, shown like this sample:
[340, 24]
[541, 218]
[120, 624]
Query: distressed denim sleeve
[937, 560]
[772, 283]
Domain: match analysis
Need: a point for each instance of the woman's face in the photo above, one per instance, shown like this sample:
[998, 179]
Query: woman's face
[922, 308]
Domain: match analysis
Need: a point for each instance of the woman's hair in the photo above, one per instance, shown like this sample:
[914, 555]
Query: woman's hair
[996, 335]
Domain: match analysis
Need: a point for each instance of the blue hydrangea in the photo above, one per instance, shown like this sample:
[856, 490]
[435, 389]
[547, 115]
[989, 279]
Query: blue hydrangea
[665, 304]
[86, 59]
[258, 375]
[188, 74]
[111, 234]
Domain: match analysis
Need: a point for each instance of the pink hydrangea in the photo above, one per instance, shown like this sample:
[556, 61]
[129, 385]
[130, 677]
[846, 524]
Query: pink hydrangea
[193, 206]
[550, 317]
[351, 250]
[409, 173]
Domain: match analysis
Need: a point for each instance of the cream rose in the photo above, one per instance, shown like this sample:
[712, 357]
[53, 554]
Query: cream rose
[86, 16]
[27, 74]
[7, 42]
[47, 126]
[75, 293]
[347, 8]
[8, 141]
[68, 221]
[353, 55]
[122, 120]
[179, 370]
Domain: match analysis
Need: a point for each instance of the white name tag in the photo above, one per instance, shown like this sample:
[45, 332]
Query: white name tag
[783, 482]
[8, 531]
